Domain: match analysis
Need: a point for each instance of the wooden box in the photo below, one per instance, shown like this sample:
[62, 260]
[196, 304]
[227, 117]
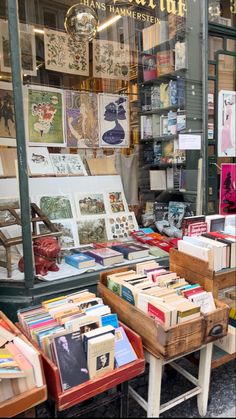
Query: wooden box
[75, 395]
[24, 401]
[162, 342]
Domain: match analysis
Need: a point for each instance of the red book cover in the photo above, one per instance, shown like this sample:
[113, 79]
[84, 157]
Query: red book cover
[162, 245]
[221, 235]
[197, 229]
[156, 313]
[193, 291]
[149, 67]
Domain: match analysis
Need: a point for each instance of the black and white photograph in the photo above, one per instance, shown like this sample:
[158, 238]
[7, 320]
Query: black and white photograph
[103, 361]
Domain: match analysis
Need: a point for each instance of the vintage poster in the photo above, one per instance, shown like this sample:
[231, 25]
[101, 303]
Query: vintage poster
[67, 164]
[89, 204]
[114, 121]
[228, 189]
[227, 124]
[111, 60]
[7, 115]
[64, 54]
[44, 116]
[27, 44]
[56, 207]
[92, 230]
[39, 161]
[120, 226]
[116, 202]
[81, 119]
[69, 238]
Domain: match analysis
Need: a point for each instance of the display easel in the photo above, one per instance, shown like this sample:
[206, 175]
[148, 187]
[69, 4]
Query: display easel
[36, 216]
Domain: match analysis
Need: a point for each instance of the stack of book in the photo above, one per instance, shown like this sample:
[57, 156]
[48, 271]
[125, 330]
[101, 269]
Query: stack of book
[20, 368]
[79, 334]
[160, 293]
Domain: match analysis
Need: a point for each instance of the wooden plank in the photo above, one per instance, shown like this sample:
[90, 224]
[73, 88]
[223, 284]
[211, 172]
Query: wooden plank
[186, 261]
[222, 360]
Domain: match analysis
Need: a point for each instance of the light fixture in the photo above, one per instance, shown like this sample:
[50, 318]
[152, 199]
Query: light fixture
[108, 23]
[81, 22]
[41, 31]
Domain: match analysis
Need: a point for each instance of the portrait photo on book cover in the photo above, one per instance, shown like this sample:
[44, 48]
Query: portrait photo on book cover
[102, 361]
[226, 123]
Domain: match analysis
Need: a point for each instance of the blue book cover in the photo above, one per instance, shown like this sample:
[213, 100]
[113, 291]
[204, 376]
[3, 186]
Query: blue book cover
[110, 319]
[124, 352]
[80, 260]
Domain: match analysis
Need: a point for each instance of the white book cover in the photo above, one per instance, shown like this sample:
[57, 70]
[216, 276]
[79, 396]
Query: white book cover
[203, 253]
[68, 164]
[39, 161]
[205, 300]
[157, 180]
[33, 357]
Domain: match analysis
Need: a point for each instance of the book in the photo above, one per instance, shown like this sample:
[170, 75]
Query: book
[205, 300]
[215, 222]
[100, 331]
[165, 62]
[71, 360]
[158, 252]
[155, 97]
[106, 256]
[149, 67]
[146, 127]
[197, 229]
[80, 260]
[191, 220]
[172, 123]
[24, 365]
[180, 56]
[32, 355]
[176, 213]
[124, 352]
[157, 180]
[163, 313]
[110, 319]
[9, 367]
[101, 351]
[132, 251]
[187, 311]
[173, 93]
[164, 96]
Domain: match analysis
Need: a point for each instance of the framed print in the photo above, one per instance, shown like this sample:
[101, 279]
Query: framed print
[228, 189]
[114, 121]
[89, 204]
[39, 162]
[65, 54]
[111, 59]
[81, 119]
[120, 226]
[227, 123]
[7, 115]
[56, 207]
[92, 230]
[67, 164]
[44, 116]
[116, 202]
[69, 237]
[28, 50]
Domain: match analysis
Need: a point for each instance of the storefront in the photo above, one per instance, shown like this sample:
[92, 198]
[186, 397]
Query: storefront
[107, 88]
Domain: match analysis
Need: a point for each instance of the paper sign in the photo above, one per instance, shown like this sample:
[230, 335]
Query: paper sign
[189, 142]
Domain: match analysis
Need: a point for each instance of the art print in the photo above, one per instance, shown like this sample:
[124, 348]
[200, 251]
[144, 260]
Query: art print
[111, 60]
[56, 207]
[176, 213]
[227, 123]
[65, 54]
[92, 230]
[89, 204]
[45, 116]
[81, 119]
[69, 238]
[6, 201]
[7, 115]
[114, 121]
[68, 164]
[28, 50]
[116, 202]
[39, 161]
[120, 227]
[228, 189]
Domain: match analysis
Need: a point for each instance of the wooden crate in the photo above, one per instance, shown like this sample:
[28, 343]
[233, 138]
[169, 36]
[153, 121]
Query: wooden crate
[27, 400]
[197, 271]
[162, 342]
[91, 388]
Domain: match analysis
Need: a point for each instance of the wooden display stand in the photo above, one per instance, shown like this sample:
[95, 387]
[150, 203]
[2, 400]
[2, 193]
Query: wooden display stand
[27, 400]
[197, 271]
[71, 397]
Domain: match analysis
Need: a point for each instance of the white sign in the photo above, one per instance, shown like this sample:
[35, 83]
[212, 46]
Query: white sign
[189, 142]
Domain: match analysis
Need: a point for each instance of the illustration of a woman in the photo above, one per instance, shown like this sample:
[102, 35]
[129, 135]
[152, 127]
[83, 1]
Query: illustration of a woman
[226, 134]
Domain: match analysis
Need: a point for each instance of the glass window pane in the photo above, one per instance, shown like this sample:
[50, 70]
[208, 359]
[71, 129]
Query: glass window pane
[215, 44]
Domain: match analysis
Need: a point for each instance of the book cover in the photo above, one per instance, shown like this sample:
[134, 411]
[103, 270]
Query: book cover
[181, 92]
[155, 97]
[180, 56]
[99, 331]
[164, 95]
[71, 360]
[149, 67]
[124, 352]
[172, 123]
[146, 127]
[106, 256]
[132, 251]
[197, 229]
[100, 357]
[164, 61]
[176, 213]
[80, 260]
[205, 300]
[173, 92]
[157, 180]
[32, 355]
[110, 319]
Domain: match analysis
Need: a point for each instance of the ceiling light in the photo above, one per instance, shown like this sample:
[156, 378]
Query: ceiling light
[108, 23]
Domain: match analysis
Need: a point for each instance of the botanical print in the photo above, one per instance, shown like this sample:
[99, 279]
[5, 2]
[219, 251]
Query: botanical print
[68, 164]
[227, 124]
[7, 115]
[113, 108]
[81, 119]
[92, 230]
[44, 116]
[111, 60]
[56, 207]
[69, 237]
[228, 189]
[39, 161]
[120, 227]
[27, 44]
[116, 202]
[89, 204]
[63, 53]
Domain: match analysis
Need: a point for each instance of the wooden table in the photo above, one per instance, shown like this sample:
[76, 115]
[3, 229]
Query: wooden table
[152, 406]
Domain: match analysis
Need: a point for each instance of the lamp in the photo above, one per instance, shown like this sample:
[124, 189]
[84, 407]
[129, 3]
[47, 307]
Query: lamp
[81, 22]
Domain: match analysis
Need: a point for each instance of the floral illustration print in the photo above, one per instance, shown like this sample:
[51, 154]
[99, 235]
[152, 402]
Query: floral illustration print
[111, 59]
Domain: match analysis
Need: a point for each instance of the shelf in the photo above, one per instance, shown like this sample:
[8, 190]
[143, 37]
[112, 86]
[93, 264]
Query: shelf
[181, 34]
[161, 110]
[167, 76]
[162, 137]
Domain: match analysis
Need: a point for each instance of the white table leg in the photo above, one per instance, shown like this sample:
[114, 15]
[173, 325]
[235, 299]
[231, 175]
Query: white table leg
[204, 374]
[154, 387]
